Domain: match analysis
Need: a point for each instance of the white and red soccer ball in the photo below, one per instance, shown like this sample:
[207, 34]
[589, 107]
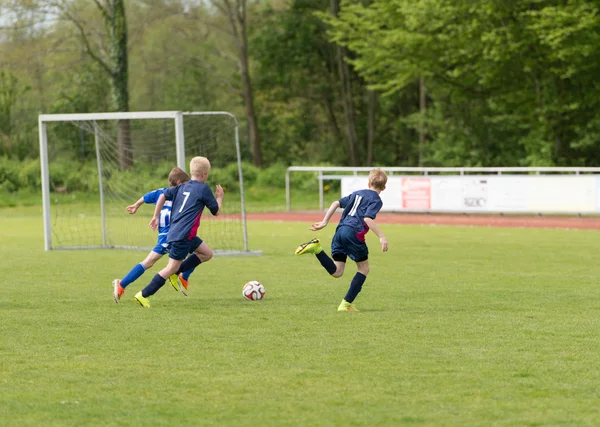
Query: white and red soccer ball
[253, 291]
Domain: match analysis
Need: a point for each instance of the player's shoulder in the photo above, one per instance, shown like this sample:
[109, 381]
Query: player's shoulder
[158, 191]
[368, 193]
[152, 196]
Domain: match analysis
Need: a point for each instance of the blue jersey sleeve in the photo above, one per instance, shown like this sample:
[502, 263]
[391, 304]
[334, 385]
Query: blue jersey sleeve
[373, 209]
[152, 197]
[170, 192]
[344, 201]
[209, 200]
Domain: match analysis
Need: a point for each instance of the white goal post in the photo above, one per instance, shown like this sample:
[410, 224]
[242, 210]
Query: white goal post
[159, 143]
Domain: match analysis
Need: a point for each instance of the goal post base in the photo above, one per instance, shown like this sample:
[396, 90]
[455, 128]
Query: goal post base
[217, 252]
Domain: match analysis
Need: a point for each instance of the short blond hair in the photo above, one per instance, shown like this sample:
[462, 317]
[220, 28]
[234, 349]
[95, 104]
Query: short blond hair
[176, 176]
[377, 179]
[198, 165]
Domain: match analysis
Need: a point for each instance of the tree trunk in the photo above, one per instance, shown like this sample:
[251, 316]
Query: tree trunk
[249, 104]
[346, 92]
[117, 29]
[370, 126]
[422, 109]
[331, 115]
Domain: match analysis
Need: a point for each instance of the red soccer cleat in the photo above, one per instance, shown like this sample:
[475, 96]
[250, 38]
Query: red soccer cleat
[117, 290]
[184, 284]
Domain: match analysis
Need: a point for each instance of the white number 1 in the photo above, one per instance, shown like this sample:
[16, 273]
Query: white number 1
[187, 194]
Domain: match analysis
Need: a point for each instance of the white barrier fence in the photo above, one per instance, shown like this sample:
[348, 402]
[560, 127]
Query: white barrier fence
[472, 190]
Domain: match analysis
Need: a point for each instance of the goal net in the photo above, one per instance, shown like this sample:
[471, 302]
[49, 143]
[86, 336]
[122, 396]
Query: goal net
[95, 165]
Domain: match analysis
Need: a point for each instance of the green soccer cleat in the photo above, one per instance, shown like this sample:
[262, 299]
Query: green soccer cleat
[174, 282]
[144, 302]
[312, 247]
[346, 306]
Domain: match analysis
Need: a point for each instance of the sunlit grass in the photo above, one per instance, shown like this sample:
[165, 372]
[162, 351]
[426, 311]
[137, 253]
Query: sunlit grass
[459, 326]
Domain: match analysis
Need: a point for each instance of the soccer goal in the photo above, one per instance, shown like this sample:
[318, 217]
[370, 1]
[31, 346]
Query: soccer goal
[95, 165]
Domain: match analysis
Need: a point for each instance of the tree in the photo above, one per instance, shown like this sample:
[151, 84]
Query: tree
[110, 51]
[115, 63]
[235, 12]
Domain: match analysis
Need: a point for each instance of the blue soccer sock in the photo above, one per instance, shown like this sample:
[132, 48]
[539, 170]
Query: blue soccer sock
[355, 286]
[190, 263]
[186, 274]
[133, 275]
[155, 284]
[326, 262]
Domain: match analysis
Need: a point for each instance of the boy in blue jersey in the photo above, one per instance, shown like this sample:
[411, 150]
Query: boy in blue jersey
[360, 210]
[176, 176]
[188, 202]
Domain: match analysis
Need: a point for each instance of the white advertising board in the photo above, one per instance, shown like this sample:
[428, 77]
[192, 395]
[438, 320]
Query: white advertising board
[490, 193]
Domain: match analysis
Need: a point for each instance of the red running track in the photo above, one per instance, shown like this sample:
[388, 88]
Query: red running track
[527, 221]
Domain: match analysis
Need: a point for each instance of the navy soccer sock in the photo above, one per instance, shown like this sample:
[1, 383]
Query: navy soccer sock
[326, 262]
[133, 275]
[355, 286]
[190, 263]
[155, 284]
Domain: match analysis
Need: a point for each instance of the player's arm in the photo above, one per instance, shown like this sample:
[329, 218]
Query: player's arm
[159, 205]
[219, 193]
[149, 198]
[322, 224]
[382, 239]
[133, 208]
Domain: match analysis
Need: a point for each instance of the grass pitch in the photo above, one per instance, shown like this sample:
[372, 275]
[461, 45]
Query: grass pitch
[459, 326]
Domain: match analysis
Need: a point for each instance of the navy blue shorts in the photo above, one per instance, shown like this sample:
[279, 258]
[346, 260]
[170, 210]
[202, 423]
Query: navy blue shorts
[179, 249]
[345, 242]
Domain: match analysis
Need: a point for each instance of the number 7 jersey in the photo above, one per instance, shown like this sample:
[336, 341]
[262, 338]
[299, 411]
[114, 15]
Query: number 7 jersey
[188, 200]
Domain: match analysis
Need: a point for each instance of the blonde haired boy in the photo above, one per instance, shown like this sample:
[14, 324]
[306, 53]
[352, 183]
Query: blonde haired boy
[189, 201]
[176, 176]
[360, 210]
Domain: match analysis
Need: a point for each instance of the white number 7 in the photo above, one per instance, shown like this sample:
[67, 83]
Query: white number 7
[187, 194]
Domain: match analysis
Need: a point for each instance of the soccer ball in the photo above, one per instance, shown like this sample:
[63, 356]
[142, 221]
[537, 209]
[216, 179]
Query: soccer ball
[253, 291]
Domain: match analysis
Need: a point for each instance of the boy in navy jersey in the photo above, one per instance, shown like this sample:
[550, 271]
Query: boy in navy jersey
[188, 202]
[360, 210]
[176, 176]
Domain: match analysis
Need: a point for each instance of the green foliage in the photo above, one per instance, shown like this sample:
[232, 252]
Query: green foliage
[506, 83]
[505, 80]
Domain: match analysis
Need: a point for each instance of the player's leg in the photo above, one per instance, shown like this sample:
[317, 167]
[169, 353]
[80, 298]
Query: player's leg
[177, 254]
[335, 267]
[119, 285]
[199, 252]
[155, 254]
[339, 260]
[355, 286]
[357, 250]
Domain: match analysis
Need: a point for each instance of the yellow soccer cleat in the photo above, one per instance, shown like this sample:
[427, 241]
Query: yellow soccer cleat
[174, 282]
[184, 284]
[144, 302]
[312, 247]
[346, 306]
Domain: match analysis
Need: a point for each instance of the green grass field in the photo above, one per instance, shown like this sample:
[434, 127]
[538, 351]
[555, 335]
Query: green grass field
[459, 326]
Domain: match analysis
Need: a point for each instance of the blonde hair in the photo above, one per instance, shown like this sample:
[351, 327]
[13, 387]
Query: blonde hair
[198, 165]
[176, 176]
[377, 179]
